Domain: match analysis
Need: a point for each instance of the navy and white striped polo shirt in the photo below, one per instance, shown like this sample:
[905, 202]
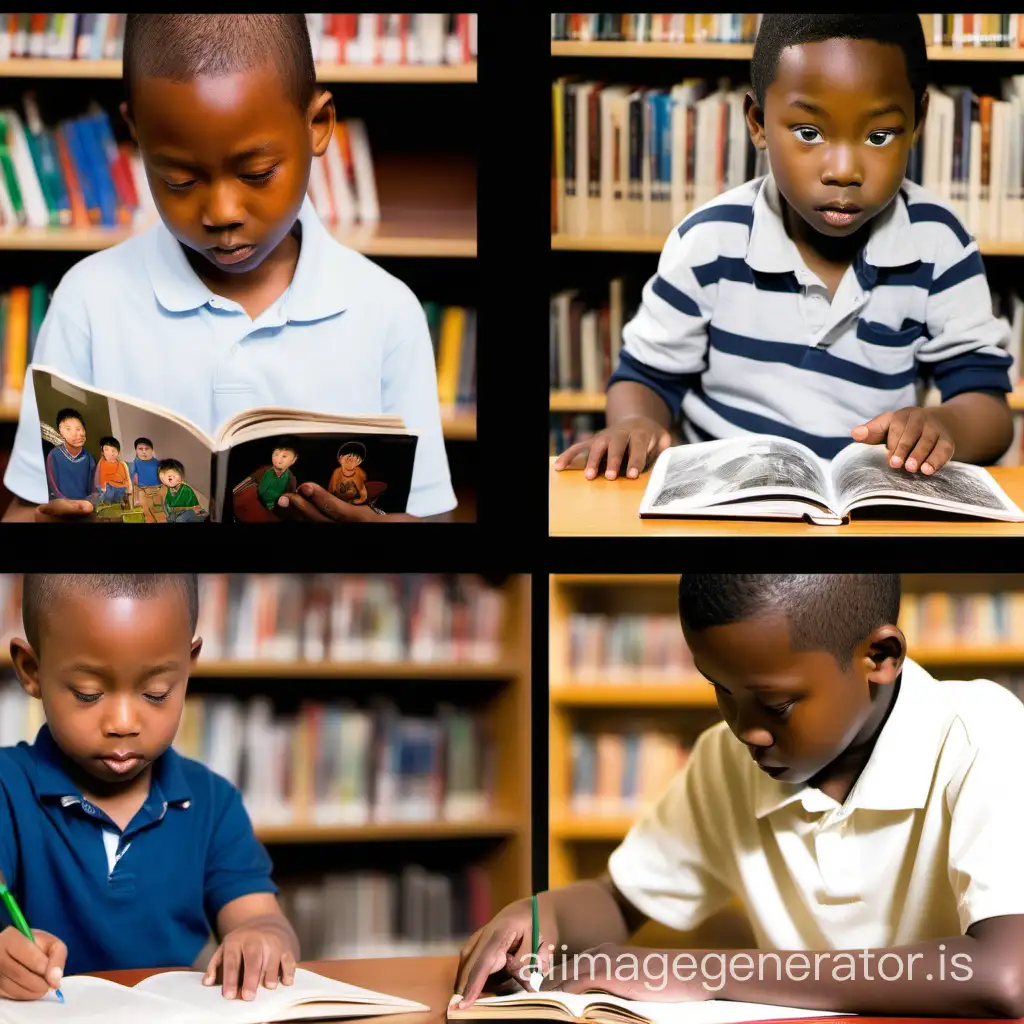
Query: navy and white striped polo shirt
[736, 330]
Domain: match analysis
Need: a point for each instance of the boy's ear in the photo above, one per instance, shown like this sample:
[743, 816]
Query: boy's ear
[197, 646]
[128, 121]
[919, 127]
[321, 122]
[885, 651]
[26, 665]
[754, 116]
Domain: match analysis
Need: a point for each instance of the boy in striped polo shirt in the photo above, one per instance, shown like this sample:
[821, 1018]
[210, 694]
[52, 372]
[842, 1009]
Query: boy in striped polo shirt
[810, 303]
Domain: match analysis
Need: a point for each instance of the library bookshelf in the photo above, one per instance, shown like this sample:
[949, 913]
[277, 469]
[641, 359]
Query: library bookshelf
[498, 841]
[683, 703]
[997, 58]
[427, 212]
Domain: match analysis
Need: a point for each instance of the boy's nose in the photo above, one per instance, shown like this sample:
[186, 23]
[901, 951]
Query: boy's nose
[842, 167]
[223, 211]
[121, 719]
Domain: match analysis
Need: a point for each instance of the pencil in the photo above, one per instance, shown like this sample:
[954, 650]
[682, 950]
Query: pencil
[535, 975]
[18, 918]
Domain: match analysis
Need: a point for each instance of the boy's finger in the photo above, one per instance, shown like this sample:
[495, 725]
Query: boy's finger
[638, 453]
[940, 455]
[616, 450]
[211, 968]
[56, 956]
[598, 445]
[287, 967]
[874, 431]
[18, 982]
[904, 432]
[920, 452]
[490, 960]
[29, 955]
[570, 453]
[301, 509]
[271, 967]
[253, 959]
[67, 507]
[466, 960]
[232, 963]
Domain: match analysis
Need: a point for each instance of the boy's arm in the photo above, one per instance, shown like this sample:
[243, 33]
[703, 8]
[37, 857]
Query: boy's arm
[979, 974]
[980, 424]
[259, 911]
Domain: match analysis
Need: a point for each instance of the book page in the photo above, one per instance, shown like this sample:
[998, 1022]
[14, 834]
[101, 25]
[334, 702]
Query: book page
[95, 1001]
[701, 475]
[311, 995]
[862, 472]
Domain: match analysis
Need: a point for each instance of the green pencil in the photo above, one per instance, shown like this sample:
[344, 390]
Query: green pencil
[535, 975]
[18, 918]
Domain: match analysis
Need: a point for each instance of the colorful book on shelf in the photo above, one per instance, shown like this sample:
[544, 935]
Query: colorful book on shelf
[180, 997]
[230, 477]
[764, 476]
[608, 1009]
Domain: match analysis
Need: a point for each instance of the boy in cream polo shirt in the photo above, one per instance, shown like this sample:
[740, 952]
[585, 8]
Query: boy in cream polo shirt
[868, 818]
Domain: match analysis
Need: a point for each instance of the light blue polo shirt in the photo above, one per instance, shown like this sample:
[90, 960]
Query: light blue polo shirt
[346, 337]
[147, 896]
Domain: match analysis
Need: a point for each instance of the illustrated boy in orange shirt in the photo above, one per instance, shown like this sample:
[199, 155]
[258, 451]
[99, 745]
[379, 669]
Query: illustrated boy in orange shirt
[348, 481]
[113, 481]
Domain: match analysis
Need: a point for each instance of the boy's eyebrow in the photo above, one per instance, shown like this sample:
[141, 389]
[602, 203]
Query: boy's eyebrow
[889, 108]
[166, 160]
[103, 672]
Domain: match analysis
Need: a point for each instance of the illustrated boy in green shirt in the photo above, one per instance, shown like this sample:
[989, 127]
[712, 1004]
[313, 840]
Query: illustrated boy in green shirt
[180, 501]
[276, 479]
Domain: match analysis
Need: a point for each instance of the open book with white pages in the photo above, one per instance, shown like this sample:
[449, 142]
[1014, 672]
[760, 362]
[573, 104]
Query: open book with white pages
[763, 476]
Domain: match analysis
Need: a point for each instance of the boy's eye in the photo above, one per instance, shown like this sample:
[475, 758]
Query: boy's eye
[778, 709]
[158, 698]
[881, 138]
[86, 698]
[800, 134]
[262, 177]
[179, 186]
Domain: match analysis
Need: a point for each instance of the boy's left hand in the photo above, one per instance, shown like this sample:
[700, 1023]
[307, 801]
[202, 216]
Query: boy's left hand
[623, 974]
[916, 438]
[314, 504]
[253, 955]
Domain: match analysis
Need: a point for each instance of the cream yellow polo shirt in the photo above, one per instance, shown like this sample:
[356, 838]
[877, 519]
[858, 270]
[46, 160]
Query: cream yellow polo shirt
[929, 840]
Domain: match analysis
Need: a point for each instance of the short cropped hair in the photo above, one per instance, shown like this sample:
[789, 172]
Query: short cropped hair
[826, 612]
[353, 448]
[183, 46]
[895, 28]
[142, 440]
[112, 441]
[288, 444]
[41, 591]
[69, 414]
[170, 464]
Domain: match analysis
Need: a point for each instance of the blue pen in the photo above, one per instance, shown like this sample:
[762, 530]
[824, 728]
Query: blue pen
[7, 897]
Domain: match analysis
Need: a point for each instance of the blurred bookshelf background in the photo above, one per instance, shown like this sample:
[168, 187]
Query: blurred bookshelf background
[627, 704]
[631, 161]
[375, 727]
[398, 182]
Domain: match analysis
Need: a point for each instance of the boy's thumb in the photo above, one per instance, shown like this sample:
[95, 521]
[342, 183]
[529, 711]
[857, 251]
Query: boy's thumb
[874, 431]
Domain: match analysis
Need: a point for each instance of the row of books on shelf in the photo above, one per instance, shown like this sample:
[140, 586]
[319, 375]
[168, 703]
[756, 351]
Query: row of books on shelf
[620, 772]
[75, 174]
[956, 30]
[452, 335]
[634, 160]
[333, 617]
[963, 620]
[334, 38]
[414, 912]
[328, 764]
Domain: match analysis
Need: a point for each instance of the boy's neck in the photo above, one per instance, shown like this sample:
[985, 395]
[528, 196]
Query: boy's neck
[834, 251]
[120, 801]
[72, 450]
[260, 287]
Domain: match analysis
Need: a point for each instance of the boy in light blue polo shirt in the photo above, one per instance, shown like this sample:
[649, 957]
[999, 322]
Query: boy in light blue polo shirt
[120, 852]
[238, 297]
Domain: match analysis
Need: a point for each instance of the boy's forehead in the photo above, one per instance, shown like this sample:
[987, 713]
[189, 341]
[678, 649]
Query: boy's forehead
[841, 69]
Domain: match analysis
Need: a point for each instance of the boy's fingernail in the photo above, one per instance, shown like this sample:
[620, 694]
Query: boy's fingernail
[610, 474]
[589, 474]
[271, 984]
[633, 473]
[927, 469]
[911, 464]
[895, 462]
[246, 994]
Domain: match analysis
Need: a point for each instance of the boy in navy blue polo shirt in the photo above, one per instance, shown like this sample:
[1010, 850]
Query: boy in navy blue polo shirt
[811, 303]
[122, 853]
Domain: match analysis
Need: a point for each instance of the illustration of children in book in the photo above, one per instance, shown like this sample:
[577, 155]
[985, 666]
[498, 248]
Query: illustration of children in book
[144, 466]
[113, 483]
[348, 481]
[70, 469]
[255, 496]
[179, 500]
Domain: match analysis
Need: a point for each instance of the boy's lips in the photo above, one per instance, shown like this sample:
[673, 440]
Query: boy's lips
[839, 215]
[122, 761]
[232, 255]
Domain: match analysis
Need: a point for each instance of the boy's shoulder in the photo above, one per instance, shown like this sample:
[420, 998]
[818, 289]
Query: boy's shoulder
[987, 712]
[935, 226]
[725, 213]
[203, 780]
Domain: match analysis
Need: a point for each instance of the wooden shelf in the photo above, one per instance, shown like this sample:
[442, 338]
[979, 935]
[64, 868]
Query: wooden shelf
[35, 67]
[636, 693]
[596, 829]
[399, 831]
[655, 243]
[992, 655]
[744, 51]
[605, 579]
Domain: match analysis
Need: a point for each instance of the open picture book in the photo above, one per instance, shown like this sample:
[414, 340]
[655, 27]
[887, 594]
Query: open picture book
[603, 1008]
[763, 476]
[180, 997]
[138, 462]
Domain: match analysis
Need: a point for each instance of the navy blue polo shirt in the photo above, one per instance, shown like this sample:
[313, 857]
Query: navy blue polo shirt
[188, 851]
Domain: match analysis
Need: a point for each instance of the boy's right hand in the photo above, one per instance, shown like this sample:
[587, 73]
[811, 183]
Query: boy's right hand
[641, 436]
[504, 947]
[29, 970]
[64, 510]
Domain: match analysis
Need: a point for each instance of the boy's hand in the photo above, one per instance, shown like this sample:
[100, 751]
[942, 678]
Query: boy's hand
[915, 438]
[594, 973]
[642, 437]
[27, 970]
[257, 955]
[504, 948]
[64, 510]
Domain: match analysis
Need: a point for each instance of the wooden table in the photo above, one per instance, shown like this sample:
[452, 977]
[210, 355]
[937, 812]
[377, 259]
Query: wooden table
[609, 508]
[430, 980]
[427, 979]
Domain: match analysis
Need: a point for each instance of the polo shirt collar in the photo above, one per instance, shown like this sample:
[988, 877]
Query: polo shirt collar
[52, 778]
[316, 290]
[898, 774]
[770, 250]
